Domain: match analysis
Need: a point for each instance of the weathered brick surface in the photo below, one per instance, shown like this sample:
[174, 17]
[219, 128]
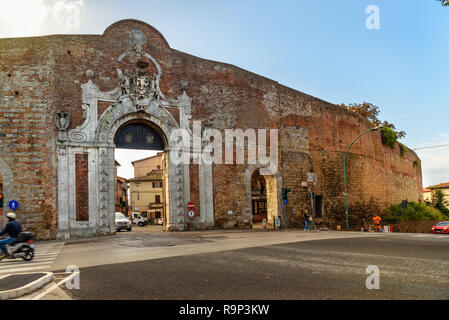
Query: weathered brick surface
[82, 187]
[42, 75]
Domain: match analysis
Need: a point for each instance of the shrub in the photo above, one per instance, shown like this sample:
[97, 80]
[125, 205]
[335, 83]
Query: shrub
[414, 211]
[389, 137]
[439, 202]
[403, 149]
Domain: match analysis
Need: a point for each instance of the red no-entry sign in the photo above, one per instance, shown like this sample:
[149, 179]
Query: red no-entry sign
[190, 209]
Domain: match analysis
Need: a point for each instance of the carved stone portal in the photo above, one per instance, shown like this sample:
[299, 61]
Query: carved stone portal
[137, 97]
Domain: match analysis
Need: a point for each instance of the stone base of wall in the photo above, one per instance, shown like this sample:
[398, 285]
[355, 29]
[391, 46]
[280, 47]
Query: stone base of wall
[414, 226]
[411, 226]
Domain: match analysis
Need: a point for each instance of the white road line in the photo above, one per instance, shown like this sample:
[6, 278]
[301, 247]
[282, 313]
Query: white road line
[46, 255]
[25, 269]
[55, 285]
[43, 259]
[12, 267]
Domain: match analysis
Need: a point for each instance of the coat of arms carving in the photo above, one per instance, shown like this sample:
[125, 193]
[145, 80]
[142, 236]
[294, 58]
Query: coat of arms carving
[140, 87]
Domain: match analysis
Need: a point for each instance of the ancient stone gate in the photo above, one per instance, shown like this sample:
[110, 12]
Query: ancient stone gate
[137, 98]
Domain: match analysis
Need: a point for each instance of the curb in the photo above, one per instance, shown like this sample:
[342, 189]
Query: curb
[30, 287]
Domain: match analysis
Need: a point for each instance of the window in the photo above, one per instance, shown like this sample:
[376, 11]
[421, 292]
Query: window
[259, 206]
[158, 199]
[157, 184]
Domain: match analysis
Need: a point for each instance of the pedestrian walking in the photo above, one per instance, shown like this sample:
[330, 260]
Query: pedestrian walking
[307, 219]
[364, 224]
[377, 223]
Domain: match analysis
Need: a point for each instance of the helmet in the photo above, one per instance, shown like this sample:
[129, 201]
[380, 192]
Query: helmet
[11, 215]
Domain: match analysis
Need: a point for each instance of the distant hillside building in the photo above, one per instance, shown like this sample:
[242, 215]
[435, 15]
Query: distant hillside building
[121, 192]
[144, 166]
[147, 194]
[121, 196]
[444, 187]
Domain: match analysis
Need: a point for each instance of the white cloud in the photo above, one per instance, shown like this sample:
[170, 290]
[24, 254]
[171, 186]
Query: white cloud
[27, 18]
[66, 13]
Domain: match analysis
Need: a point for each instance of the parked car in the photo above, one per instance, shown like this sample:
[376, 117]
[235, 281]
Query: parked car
[122, 222]
[441, 227]
[138, 219]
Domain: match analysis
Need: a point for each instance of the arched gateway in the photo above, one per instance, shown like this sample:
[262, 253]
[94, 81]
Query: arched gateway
[86, 153]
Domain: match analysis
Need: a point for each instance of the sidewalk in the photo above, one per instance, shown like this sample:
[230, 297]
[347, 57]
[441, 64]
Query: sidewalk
[18, 280]
[17, 285]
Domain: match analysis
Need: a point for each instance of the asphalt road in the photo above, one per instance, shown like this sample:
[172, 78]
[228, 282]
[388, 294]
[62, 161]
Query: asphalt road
[410, 267]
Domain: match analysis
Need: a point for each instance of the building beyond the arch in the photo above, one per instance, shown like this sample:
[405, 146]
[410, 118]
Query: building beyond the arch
[64, 97]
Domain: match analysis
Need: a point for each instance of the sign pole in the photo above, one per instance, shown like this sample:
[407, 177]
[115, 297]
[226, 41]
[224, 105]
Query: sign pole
[313, 211]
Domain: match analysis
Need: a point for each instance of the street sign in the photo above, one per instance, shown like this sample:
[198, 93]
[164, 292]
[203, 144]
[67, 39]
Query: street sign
[285, 201]
[191, 210]
[311, 181]
[404, 204]
[311, 177]
[277, 222]
[310, 186]
[13, 205]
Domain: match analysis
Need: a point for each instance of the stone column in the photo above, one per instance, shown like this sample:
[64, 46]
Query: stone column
[63, 194]
[103, 192]
[176, 195]
[206, 195]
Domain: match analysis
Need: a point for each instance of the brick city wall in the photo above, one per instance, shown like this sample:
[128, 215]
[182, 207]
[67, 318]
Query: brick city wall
[42, 75]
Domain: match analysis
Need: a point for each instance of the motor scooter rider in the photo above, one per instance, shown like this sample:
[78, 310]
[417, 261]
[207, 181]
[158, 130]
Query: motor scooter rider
[13, 229]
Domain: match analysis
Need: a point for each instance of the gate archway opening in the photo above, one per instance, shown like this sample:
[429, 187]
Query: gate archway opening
[265, 202]
[141, 182]
[258, 198]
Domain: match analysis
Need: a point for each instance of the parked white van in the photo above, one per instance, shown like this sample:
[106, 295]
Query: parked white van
[138, 219]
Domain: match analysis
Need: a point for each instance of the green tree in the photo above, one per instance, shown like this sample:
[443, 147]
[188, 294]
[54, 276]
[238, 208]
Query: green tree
[439, 202]
[444, 2]
[371, 112]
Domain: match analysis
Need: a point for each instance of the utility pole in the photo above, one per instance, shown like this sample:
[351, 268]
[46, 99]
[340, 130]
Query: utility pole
[344, 172]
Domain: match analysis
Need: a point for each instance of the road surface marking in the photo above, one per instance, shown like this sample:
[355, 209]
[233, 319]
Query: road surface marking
[44, 255]
[55, 285]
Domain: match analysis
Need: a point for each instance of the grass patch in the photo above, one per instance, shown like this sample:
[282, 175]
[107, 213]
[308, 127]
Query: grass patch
[389, 137]
[414, 211]
[403, 149]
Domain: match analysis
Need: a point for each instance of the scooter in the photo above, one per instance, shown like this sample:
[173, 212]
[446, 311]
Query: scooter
[23, 247]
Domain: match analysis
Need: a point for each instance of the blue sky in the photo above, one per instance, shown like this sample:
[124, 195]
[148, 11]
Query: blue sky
[320, 47]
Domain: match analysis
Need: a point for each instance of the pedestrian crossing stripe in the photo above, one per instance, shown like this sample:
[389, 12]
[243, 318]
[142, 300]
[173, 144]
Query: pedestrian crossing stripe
[44, 255]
